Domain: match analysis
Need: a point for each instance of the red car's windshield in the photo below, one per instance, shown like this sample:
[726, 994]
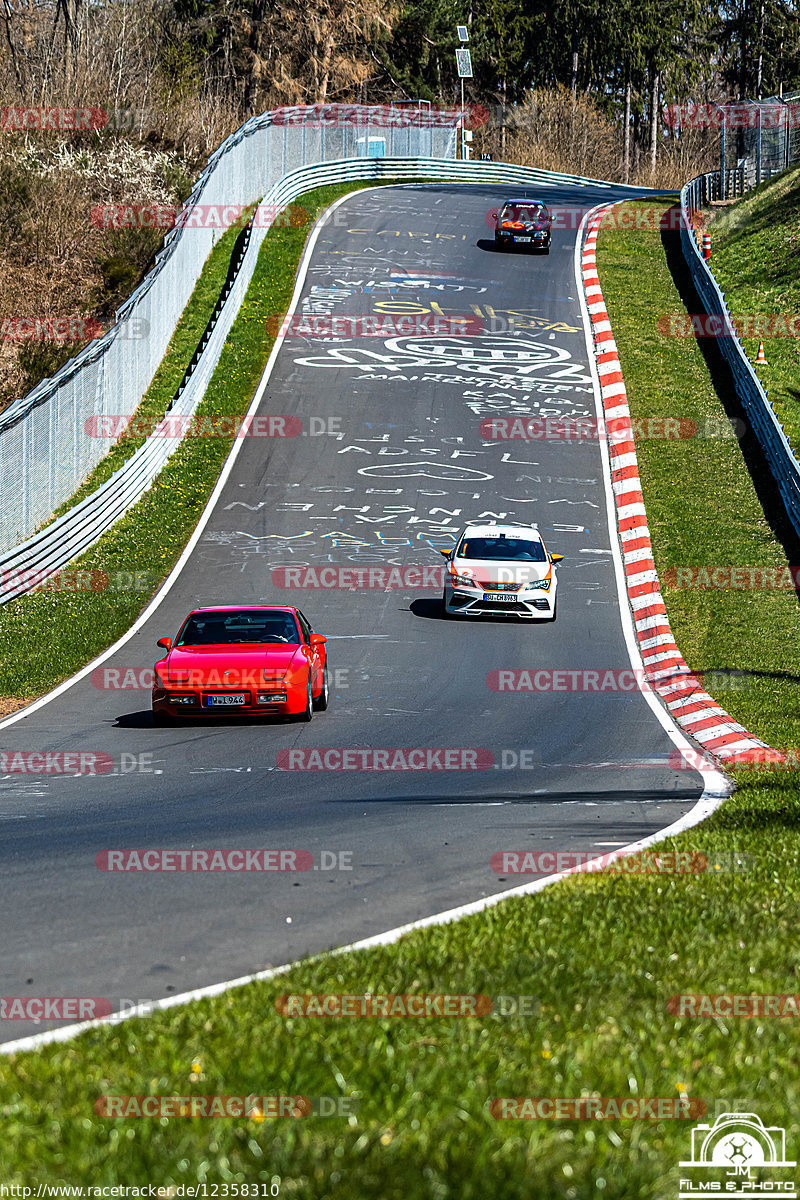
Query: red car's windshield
[230, 628]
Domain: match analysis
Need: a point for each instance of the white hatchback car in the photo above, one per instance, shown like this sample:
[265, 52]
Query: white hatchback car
[503, 569]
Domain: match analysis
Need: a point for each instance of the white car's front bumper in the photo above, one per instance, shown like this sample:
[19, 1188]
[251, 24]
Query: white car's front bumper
[537, 605]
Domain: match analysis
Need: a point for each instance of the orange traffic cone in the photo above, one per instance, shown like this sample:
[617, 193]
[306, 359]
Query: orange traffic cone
[761, 356]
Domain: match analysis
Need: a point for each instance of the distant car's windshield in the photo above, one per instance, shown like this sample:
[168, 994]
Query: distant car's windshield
[234, 627]
[502, 549]
[523, 212]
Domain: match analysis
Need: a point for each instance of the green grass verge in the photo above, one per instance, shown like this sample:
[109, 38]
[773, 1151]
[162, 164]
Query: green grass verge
[601, 955]
[756, 247]
[702, 505]
[151, 536]
[173, 366]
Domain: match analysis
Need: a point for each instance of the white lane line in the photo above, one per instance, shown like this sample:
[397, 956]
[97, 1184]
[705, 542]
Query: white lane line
[702, 809]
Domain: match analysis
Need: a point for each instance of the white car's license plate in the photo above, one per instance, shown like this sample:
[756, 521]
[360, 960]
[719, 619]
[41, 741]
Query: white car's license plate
[503, 597]
[230, 698]
[519, 239]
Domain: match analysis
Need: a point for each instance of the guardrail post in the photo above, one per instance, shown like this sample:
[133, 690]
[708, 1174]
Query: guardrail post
[26, 433]
[51, 473]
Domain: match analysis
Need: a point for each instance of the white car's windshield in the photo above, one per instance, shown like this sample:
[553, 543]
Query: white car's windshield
[502, 549]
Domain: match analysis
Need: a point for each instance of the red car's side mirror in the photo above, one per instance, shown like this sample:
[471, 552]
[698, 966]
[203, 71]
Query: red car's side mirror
[165, 642]
[317, 639]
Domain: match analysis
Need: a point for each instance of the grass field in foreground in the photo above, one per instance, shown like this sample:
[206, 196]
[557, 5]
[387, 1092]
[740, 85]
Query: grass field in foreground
[601, 955]
[151, 536]
[756, 247]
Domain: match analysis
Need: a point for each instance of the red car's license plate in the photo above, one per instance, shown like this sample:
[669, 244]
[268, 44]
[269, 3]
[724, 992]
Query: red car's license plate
[228, 698]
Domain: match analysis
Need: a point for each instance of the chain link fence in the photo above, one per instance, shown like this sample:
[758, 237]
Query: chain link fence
[45, 450]
[758, 139]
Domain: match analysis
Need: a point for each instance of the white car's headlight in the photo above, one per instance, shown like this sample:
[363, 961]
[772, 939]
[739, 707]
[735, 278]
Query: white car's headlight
[544, 584]
[462, 580]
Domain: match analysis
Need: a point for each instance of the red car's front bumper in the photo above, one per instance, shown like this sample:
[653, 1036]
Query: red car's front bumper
[193, 702]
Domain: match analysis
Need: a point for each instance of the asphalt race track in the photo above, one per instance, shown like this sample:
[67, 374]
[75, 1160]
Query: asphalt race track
[390, 464]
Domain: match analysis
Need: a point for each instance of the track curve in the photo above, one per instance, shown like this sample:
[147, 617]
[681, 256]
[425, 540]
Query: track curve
[396, 465]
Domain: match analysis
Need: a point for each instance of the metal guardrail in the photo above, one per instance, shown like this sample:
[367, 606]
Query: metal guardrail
[44, 453]
[722, 187]
[72, 533]
[752, 395]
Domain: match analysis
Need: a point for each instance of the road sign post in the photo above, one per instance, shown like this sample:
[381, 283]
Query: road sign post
[464, 65]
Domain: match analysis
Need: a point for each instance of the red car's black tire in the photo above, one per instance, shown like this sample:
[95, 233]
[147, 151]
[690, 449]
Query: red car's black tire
[321, 701]
[162, 718]
[308, 711]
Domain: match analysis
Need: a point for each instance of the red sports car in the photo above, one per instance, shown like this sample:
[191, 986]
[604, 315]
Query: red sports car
[254, 658]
